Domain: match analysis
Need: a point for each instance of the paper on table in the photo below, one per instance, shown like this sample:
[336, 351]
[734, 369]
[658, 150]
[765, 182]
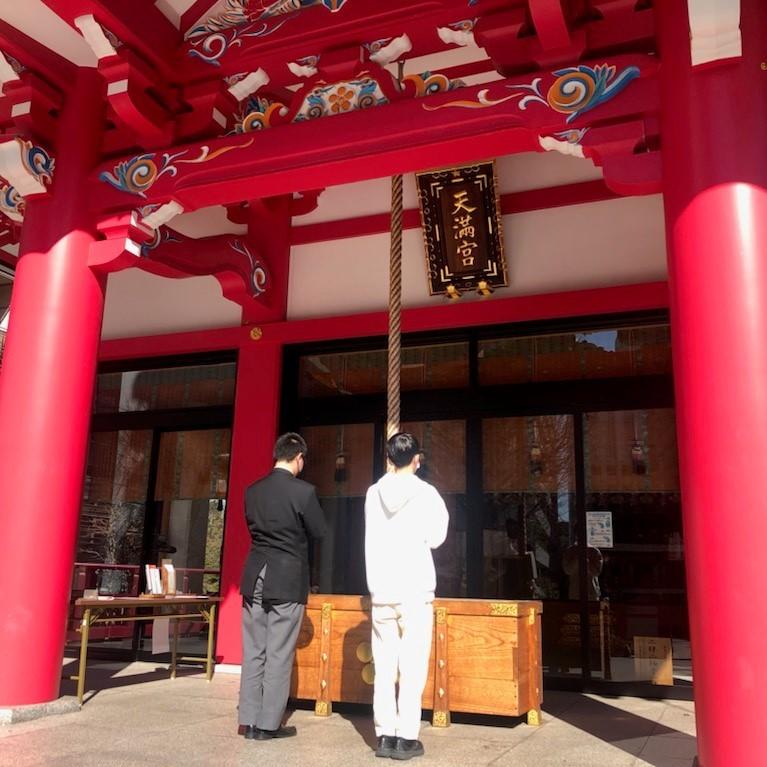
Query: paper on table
[160, 635]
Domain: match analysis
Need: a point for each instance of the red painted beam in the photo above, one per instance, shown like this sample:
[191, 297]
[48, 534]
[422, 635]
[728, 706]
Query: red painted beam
[464, 125]
[578, 303]
[550, 23]
[48, 65]
[313, 30]
[193, 342]
[137, 23]
[514, 202]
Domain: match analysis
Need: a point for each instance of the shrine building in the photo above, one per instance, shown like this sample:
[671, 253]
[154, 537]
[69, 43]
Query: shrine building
[215, 216]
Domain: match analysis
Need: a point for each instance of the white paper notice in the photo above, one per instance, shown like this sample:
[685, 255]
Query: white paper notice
[160, 635]
[599, 529]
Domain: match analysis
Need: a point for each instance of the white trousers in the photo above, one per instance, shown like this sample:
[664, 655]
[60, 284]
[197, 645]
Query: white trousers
[401, 647]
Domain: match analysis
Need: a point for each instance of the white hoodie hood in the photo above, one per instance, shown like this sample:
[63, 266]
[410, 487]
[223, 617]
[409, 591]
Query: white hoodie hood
[405, 518]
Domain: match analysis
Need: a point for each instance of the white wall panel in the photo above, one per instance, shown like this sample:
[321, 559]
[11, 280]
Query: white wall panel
[38, 21]
[142, 304]
[532, 170]
[615, 242]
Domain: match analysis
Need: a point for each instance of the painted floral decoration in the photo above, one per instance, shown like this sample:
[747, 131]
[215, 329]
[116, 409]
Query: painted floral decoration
[341, 100]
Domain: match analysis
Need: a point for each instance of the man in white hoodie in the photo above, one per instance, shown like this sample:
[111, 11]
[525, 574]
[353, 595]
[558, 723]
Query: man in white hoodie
[405, 518]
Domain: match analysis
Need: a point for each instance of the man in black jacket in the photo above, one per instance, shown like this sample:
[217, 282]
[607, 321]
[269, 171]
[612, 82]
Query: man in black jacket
[282, 513]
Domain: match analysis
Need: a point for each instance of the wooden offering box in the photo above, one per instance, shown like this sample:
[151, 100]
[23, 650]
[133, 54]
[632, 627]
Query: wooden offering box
[485, 659]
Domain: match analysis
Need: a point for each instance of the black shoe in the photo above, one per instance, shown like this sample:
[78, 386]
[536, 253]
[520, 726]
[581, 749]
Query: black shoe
[407, 749]
[248, 731]
[280, 732]
[386, 745]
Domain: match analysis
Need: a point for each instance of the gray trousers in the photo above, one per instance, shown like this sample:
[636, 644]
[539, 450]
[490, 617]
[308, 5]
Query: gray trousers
[269, 635]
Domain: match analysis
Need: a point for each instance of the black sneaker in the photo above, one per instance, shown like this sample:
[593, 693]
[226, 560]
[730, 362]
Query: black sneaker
[407, 749]
[280, 732]
[386, 745]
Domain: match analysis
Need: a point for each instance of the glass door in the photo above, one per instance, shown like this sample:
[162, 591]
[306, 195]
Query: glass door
[634, 536]
[530, 527]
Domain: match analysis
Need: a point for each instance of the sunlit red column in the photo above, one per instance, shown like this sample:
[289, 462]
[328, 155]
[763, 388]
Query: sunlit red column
[46, 391]
[256, 415]
[714, 142]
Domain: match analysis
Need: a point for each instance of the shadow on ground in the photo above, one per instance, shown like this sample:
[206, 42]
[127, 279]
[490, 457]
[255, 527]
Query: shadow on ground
[105, 675]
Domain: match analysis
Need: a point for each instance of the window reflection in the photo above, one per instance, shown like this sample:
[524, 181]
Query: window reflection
[440, 366]
[444, 466]
[340, 465]
[529, 519]
[165, 388]
[605, 353]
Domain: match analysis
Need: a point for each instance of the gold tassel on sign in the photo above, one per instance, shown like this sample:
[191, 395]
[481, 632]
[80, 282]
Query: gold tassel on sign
[483, 288]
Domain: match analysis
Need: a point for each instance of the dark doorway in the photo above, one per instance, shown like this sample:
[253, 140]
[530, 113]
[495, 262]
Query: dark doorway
[155, 488]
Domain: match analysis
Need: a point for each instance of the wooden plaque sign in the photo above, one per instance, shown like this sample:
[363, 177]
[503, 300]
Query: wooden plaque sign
[460, 214]
[653, 659]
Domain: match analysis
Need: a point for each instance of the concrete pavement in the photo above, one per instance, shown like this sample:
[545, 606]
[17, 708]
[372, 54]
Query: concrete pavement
[135, 716]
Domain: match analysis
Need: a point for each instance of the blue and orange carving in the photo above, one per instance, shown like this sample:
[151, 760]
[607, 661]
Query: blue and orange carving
[351, 95]
[377, 45]
[464, 25]
[140, 173]
[572, 135]
[427, 84]
[258, 114]
[483, 101]
[137, 175]
[577, 89]
[211, 40]
[37, 161]
[11, 202]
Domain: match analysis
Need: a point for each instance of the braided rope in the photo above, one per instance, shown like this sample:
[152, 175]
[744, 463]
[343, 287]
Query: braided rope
[395, 310]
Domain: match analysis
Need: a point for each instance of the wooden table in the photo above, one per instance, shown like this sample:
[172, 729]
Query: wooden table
[100, 610]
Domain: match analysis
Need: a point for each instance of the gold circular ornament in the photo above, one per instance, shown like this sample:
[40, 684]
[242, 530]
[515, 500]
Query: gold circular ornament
[364, 652]
[368, 674]
[256, 334]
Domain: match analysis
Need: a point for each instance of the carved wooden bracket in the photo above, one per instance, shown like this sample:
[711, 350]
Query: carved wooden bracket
[234, 261]
[27, 107]
[124, 235]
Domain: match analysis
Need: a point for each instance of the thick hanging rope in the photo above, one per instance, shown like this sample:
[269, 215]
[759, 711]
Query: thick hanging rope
[395, 300]
[395, 309]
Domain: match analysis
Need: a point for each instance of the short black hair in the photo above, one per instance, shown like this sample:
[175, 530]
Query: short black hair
[401, 448]
[288, 446]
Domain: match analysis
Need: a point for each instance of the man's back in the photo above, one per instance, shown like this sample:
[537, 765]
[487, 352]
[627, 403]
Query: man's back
[281, 511]
[405, 518]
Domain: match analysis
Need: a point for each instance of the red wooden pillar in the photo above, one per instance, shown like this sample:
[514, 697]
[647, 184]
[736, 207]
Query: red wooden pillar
[256, 415]
[46, 391]
[714, 145]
